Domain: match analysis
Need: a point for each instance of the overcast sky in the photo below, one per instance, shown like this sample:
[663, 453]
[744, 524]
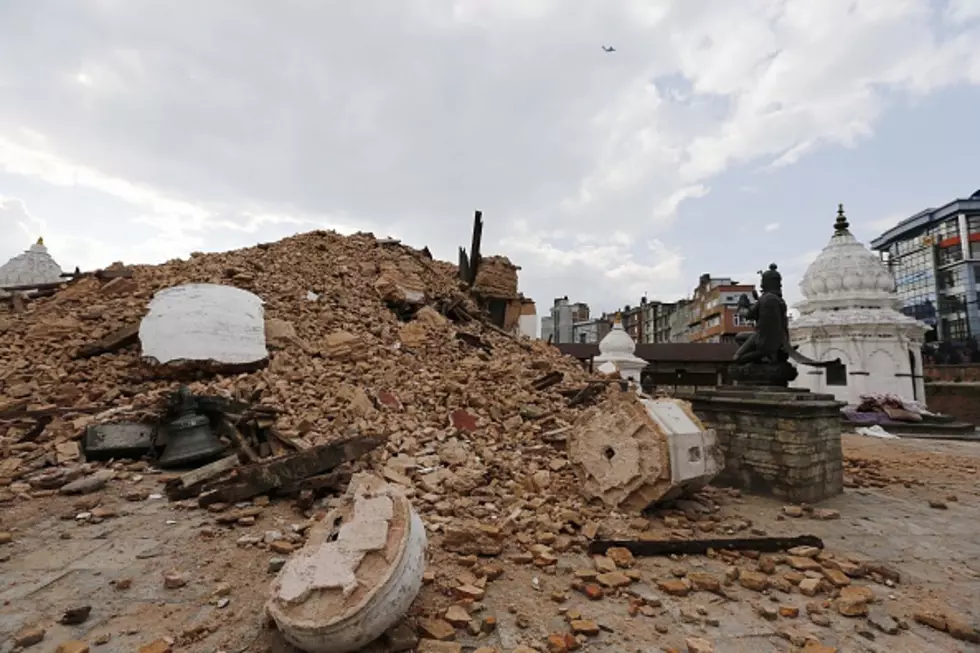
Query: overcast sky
[718, 137]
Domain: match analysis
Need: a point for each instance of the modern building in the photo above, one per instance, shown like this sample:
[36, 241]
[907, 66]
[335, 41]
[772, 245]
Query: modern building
[632, 320]
[849, 312]
[679, 321]
[935, 259]
[548, 328]
[657, 321]
[649, 321]
[591, 331]
[564, 315]
[713, 311]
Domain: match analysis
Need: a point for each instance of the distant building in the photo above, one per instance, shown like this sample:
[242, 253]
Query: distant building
[935, 258]
[650, 321]
[548, 328]
[591, 331]
[680, 321]
[564, 316]
[632, 320]
[711, 315]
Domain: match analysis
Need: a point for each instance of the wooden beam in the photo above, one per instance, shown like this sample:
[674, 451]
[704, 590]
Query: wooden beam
[700, 547]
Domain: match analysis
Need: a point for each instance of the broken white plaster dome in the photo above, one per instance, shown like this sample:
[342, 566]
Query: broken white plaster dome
[616, 354]
[850, 310]
[204, 322]
[35, 266]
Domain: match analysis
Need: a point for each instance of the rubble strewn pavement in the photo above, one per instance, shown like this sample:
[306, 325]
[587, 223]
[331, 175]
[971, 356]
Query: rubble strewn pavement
[372, 339]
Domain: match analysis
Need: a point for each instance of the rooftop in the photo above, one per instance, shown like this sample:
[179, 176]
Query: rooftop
[923, 219]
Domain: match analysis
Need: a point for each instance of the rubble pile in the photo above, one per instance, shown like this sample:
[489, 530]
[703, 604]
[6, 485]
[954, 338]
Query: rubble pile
[496, 277]
[453, 397]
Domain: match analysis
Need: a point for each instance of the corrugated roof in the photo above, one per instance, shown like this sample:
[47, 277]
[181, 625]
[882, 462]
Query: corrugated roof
[692, 352]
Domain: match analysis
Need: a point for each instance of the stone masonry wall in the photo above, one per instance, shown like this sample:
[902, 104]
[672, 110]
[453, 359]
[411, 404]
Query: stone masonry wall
[772, 451]
[961, 400]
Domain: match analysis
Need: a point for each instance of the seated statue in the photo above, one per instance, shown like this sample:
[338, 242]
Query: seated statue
[763, 357]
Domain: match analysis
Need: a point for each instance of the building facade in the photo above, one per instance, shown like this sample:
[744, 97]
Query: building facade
[547, 328]
[649, 322]
[564, 316]
[713, 313]
[935, 259]
[591, 331]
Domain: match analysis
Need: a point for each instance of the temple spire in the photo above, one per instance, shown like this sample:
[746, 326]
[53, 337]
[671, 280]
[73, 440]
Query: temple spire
[841, 224]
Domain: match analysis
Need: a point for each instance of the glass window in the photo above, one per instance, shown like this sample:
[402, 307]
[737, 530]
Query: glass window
[973, 224]
[956, 329]
[949, 229]
[950, 254]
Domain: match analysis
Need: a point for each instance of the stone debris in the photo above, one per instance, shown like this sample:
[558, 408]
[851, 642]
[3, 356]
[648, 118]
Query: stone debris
[28, 637]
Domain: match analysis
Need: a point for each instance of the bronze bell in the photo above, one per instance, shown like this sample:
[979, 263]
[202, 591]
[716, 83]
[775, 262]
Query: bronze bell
[189, 438]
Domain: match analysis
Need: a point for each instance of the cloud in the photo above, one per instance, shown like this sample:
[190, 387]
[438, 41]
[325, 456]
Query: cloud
[772, 226]
[881, 225]
[153, 131]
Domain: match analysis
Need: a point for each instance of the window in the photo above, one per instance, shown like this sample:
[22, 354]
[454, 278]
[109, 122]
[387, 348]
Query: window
[956, 329]
[739, 321]
[973, 224]
[950, 254]
[837, 374]
[582, 337]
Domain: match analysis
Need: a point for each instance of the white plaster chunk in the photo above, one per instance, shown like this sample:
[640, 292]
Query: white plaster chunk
[204, 322]
[331, 566]
[334, 564]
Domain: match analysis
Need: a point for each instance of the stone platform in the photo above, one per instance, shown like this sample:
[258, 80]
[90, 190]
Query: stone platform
[783, 442]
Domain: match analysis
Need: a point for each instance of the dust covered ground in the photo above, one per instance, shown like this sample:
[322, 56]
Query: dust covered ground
[169, 577]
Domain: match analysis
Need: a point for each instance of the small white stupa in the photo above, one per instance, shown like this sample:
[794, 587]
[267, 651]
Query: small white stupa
[850, 311]
[33, 267]
[616, 354]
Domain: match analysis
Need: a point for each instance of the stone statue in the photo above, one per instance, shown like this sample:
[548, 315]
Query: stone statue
[763, 357]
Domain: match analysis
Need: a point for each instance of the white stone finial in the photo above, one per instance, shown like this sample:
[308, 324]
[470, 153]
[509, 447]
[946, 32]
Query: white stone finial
[616, 353]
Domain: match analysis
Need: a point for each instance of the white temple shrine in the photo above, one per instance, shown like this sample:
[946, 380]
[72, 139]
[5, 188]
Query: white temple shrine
[616, 354]
[35, 267]
[850, 311]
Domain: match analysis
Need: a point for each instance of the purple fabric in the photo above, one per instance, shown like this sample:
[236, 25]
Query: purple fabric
[864, 418]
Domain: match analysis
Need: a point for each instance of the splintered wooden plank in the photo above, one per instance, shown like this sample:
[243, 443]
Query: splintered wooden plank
[700, 547]
[124, 337]
[262, 477]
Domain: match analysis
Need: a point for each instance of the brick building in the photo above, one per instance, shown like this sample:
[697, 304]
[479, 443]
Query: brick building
[712, 313]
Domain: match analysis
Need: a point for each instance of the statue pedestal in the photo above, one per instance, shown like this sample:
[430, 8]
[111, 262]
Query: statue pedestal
[783, 442]
[762, 374]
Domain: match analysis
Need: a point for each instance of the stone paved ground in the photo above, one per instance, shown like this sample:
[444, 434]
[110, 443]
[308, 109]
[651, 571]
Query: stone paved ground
[56, 562]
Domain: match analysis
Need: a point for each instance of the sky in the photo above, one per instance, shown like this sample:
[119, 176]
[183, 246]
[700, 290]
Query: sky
[718, 137]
